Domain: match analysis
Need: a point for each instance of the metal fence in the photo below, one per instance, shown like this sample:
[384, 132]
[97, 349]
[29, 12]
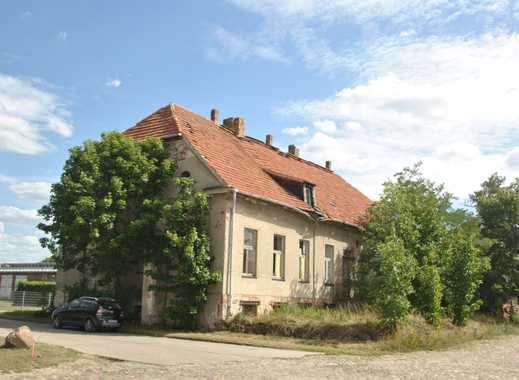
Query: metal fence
[24, 298]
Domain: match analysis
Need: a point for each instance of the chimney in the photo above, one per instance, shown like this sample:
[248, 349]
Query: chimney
[215, 116]
[269, 140]
[329, 165]
[236, 125]
[293, 150]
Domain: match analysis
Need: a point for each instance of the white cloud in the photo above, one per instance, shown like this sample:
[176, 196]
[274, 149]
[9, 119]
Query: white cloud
[34, 190]
[20, 248]
[327, 126]
[27, 111]
[62, 36]
[451, 103]
[295, 131]
[362, 11]
[233, 46]
[15, 215]
[114, 83]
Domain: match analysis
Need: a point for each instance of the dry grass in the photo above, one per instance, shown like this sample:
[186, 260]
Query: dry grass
[20, 360]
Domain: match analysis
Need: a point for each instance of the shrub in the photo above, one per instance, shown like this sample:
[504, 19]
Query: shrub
[37, 286]
[430, 293]
[463, 276]
[393, 282]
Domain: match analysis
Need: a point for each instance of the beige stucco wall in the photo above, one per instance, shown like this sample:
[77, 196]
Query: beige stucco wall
[268, 219]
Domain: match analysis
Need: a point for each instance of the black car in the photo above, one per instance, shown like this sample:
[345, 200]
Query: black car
[89, 313]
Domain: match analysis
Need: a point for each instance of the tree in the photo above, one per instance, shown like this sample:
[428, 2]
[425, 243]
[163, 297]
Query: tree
[110, 215]
[463, 276]
[102, 215]
[498, 208]
[393, 282]
[414, 210]
[183, 269]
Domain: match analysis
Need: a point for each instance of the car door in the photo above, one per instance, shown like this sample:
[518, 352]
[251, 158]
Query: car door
[72, 314]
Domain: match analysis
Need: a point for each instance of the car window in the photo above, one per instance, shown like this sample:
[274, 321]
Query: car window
[109, 304]
[74, 304]
[88, 305]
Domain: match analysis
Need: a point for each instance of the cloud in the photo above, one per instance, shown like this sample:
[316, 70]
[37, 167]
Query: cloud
[14, 215]
[63, 36]
[449, 102]
[27, 112]
[230, 46]
[20, 248]
[362, 11]
[295, 131]
[114, 83]
[327, 126]
[37, 190]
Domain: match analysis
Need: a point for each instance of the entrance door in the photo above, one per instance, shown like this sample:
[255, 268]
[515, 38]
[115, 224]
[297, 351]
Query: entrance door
[6, 283]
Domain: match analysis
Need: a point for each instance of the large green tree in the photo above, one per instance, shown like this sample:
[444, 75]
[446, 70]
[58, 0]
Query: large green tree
[110, 215]
[497, 205]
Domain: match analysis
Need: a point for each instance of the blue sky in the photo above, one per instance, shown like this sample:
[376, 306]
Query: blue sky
[372, 85]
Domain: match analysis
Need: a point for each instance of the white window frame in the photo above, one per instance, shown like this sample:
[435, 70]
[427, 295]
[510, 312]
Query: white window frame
[279, 255]
[248, 250]
[304, 256]
[329, 256]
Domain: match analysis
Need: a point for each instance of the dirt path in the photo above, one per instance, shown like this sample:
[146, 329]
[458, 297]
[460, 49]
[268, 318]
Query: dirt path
[496, 359]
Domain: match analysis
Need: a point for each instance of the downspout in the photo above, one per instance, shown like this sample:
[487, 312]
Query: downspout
[230, 254]
[313, 263]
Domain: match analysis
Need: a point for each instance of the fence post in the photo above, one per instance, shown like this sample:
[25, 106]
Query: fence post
[23, 299]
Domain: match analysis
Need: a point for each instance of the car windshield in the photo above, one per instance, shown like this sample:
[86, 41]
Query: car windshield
[108, 304]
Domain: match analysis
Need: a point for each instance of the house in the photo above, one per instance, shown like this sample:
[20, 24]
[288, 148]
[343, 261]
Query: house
[12, 274]
[282, 229]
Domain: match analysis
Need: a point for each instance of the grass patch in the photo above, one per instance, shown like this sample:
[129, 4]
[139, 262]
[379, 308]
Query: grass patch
[20, 360]
[35, 315]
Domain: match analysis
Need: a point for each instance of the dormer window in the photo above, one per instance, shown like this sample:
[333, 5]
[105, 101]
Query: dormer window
[308, 193]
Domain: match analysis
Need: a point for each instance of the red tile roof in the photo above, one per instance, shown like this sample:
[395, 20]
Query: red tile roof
[250, 165]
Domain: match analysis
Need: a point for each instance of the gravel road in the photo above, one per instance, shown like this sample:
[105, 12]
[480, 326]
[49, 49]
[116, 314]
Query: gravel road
[496, 359]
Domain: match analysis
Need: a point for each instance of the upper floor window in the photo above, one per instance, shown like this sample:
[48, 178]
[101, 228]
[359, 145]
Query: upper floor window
[304, 258]
[250, 241]
[278, 257]
[308, 193]
[328, 264]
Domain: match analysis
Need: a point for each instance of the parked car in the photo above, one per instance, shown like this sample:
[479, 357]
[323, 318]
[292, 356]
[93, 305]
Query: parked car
[89, 313]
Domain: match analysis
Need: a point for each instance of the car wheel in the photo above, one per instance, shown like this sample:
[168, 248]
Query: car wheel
[89, 325]
[56, 323]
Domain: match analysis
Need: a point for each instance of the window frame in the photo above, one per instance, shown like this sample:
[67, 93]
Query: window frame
[308, 194]
[306, 256]
[281, 255]
[329, 264]
[247, 248]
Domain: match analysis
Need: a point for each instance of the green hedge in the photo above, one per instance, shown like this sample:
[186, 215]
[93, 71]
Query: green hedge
[36, 286]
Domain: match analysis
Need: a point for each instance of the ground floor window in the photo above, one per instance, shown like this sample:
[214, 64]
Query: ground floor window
[328, 264]
[250, 309]
[249, 252]
[304, 257]
[278, 257]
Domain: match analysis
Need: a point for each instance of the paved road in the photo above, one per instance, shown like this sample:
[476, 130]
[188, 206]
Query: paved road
[146, 349]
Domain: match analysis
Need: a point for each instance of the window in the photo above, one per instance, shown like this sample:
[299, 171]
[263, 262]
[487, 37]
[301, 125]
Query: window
[250, 309]
[249, 252]
[328, 264]
[278, 257]
[185, 174]
[308, 193]
[304, 249]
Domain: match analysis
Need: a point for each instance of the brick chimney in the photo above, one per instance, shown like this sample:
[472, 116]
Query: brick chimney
[236, 125]
[215, 116]
[269, 139]
[293, 150]
[329, 165]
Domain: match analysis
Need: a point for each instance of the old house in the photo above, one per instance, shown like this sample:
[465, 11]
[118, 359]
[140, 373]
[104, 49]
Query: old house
[283, 229]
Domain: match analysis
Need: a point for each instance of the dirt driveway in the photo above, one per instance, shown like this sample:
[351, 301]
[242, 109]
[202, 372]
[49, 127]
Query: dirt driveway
[495, 359]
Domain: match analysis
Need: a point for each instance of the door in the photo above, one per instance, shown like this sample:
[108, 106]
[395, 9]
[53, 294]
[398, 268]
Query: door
[71, 316]
[6, 283]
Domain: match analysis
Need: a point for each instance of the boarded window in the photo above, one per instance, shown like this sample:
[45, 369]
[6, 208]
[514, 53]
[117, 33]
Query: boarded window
[249, 252]
[304, 256]
[278, 257]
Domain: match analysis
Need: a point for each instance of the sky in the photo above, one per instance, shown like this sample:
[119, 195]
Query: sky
[372, 85]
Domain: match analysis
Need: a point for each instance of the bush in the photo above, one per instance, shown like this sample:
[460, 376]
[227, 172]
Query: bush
[393, 282]
[37, 286]
[430, 293]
